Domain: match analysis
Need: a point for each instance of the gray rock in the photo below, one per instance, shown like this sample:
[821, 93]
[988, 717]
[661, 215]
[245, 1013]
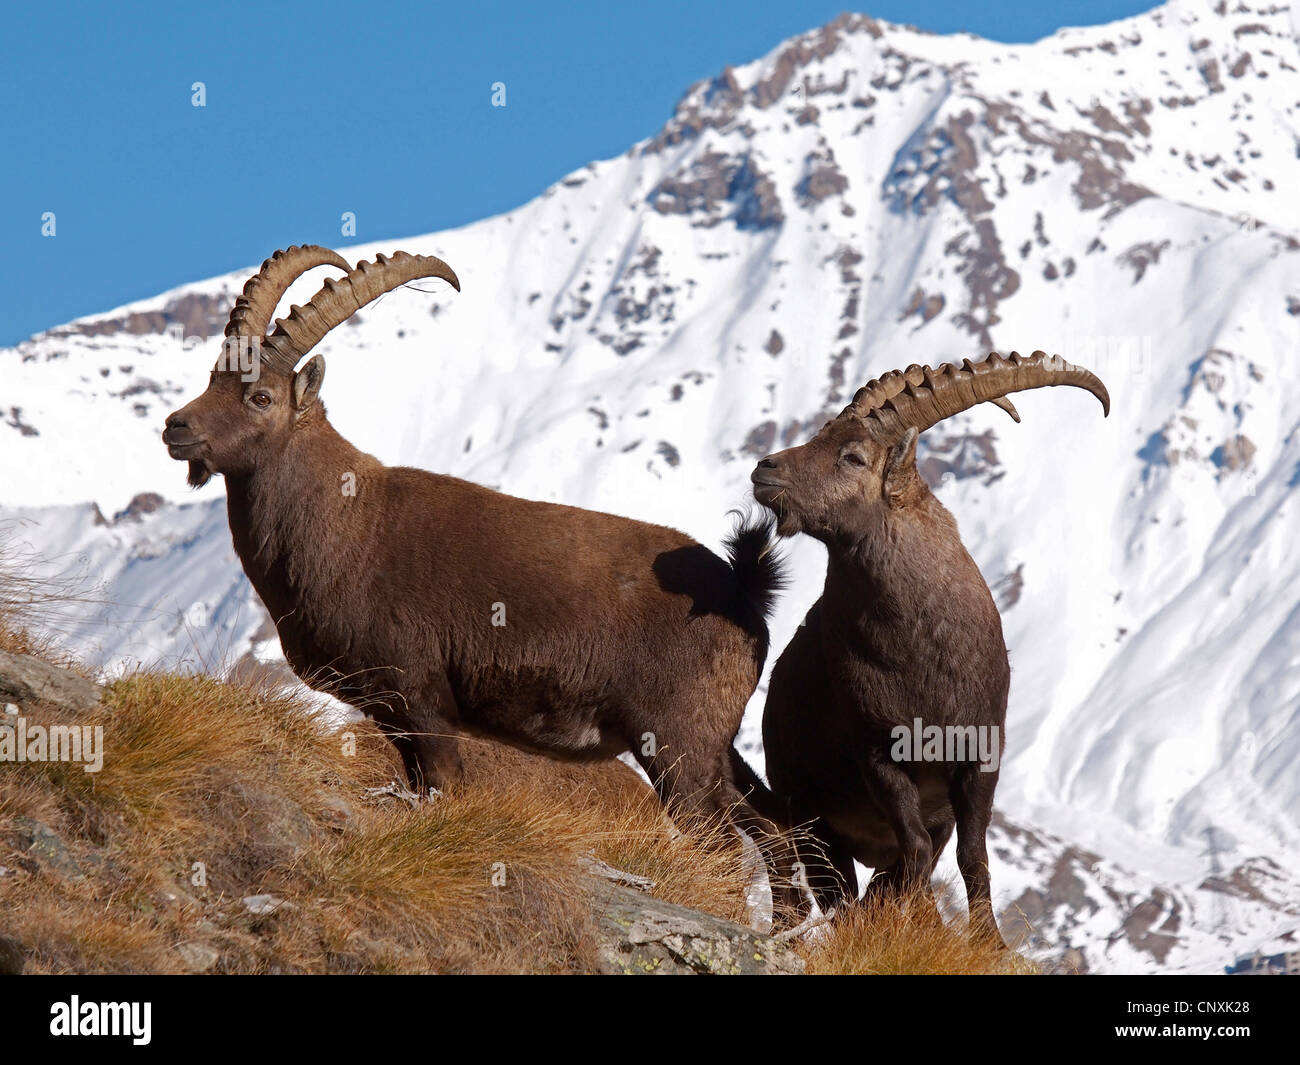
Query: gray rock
[198, 957]
[46, 846]
[24, 679]
[336, 810]
[640, 935]
[263, 905]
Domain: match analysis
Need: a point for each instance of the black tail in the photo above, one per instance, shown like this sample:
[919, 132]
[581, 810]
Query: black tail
[759, 568]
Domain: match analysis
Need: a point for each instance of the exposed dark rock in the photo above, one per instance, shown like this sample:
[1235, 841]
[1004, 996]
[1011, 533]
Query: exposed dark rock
[12, 956]
[797, 430]
[1210, 73]
[1140, 256]
[15, 421]
[760, 439]
[835, 393]
[1234, 454]
[925, 307]
[1136, 111]
[708, 104]
[1104, 120]
[668, 453]
[40, 843]
[716, 102]
[1007, 589]
[847, 258]
[822, 87]
[196, 313]
[1257, 880]
[822, 178]
[717, 187]
[962, 455]
[1141, 928]
[1101, 180]
[945, 167]
[140, 505]
[806, 49]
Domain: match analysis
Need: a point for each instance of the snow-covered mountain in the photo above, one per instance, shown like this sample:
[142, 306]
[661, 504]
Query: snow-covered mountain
[863, 197]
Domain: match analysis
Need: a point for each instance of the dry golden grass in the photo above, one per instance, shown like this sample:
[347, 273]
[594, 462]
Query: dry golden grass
[888, 937]
[212, 791]
[247, 782]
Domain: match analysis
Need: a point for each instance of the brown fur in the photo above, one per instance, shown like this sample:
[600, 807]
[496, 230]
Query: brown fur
[905, 628]
[384, 583]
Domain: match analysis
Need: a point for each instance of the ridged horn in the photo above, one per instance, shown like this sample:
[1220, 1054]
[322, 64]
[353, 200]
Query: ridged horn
[337, 300]
[253, 308]
[922, 396]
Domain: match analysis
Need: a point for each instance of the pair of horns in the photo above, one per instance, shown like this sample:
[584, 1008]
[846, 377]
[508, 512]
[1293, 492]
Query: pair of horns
[922, 396]
[337, 300]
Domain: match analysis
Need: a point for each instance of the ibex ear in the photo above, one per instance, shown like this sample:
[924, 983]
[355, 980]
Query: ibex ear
[307, 382]
[901, 479]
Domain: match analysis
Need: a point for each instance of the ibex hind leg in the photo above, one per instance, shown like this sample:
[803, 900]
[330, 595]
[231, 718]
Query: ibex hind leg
[972, 803]
[828, 868]
[897, 796]
[889, 881]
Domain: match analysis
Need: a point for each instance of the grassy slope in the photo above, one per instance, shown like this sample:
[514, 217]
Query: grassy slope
[244, 780]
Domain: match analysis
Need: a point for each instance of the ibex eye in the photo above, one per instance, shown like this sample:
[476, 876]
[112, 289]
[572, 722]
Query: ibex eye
[261, 399]
[852, 458]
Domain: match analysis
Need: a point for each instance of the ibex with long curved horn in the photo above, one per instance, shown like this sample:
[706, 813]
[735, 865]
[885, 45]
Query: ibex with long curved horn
[436, 605]
[905, 632]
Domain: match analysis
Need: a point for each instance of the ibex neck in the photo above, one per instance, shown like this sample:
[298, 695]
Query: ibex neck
[290, 518]
[909, 571]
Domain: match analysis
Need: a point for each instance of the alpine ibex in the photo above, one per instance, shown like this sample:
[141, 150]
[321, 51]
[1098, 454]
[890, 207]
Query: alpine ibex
[905, 637]
[436, 605]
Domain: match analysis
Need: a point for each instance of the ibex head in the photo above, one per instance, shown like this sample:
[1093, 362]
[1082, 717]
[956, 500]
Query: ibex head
[256, 396]
[863, 462]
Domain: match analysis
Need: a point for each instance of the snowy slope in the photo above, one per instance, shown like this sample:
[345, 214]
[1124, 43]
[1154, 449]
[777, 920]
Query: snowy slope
[863, 197]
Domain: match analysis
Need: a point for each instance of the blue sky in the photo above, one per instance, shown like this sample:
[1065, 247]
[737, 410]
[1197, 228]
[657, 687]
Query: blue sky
[316, 109]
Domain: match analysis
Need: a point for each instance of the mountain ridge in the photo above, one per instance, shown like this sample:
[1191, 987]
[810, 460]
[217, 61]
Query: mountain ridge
[862, 197]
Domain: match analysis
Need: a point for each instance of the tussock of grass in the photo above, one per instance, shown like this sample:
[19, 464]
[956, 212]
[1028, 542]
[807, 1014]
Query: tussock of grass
[884, 937]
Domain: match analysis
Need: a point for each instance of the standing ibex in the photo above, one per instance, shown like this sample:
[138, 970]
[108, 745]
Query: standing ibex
[905, 635]
[437, 605]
